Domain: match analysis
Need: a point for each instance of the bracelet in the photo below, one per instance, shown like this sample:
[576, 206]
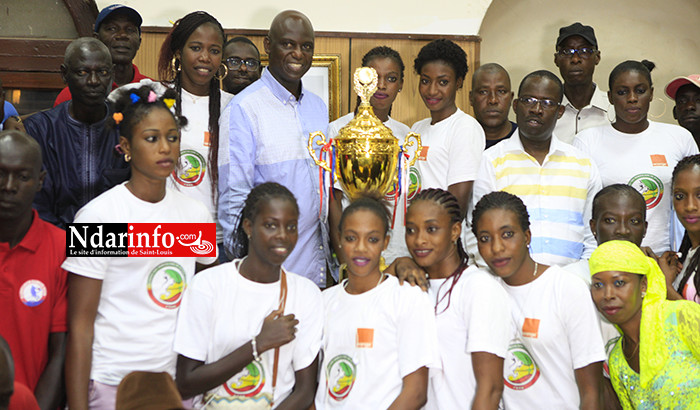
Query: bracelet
[16, 118]
[256, 356]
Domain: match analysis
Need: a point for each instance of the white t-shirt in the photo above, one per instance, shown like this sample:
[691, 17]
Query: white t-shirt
[644, 161]
[608, 330]
[397, 243]
[478, 319]
[222, 310]
[193, 175]
[557, 331]
[135, 322]
[451, 152]
[371, 342]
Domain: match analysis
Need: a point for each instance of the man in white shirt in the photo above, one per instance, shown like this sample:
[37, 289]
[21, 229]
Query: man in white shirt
[585, 104]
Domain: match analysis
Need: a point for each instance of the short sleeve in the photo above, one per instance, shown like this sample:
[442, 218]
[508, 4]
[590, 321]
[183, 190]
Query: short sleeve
[417, 332]
[92, 267]
[308, 338]
[465, 150]
[581, 321]
[488, 316]
[194, 329]
[207, 218]
[59, 321]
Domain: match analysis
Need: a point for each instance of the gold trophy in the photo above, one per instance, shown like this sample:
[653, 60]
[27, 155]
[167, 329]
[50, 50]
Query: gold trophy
[365, 155]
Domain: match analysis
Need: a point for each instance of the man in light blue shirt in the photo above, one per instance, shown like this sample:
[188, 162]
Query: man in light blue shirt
[264, 137]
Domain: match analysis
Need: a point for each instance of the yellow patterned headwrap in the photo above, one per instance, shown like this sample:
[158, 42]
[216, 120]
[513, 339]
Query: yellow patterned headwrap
[624, 256]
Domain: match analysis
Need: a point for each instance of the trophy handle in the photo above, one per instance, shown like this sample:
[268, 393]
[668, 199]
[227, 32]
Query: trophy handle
[321, 163]
[409, 143]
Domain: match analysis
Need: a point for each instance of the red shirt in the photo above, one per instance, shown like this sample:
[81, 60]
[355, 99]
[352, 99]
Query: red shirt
[65, 95]
[33, 297]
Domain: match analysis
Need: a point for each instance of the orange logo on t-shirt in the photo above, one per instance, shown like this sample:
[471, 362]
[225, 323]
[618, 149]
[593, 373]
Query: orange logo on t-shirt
[423, 154]
[364, 338]
[531, 327]
[658, 160]
[207, 139]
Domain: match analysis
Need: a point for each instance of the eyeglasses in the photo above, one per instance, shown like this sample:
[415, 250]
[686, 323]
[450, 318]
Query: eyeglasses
[234, 63]
[545, 103]
[583, 52]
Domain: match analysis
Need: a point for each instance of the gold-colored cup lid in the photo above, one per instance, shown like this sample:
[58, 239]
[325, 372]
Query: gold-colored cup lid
[365, 124]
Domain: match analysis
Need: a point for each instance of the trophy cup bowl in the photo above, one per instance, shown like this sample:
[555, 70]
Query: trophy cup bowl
[366, 156]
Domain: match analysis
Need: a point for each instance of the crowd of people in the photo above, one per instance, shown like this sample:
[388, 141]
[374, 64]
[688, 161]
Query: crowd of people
[546, 263]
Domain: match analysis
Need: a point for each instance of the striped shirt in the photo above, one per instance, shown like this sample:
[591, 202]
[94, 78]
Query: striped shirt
[264, 138]
[558, 195]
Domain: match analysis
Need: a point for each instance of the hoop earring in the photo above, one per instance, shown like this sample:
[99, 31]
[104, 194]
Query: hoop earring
[660, 115]
[225, 72]
[175, 65]
[127, 157]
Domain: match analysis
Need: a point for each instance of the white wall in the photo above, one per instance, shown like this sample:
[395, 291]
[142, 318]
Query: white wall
[387, 16]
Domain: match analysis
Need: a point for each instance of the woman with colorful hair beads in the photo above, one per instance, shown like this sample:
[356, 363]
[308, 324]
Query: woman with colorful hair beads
[656, 363]
[122, 310]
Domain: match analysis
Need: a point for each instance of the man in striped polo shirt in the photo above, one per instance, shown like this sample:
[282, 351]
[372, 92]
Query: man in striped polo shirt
[556, 181]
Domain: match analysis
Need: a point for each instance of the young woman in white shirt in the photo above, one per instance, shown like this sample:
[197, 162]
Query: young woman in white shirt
[686, 202]
[122, 310]
[190, 62]
[555, 359]
[390, 71]
[379, 336]
[249, 332]
[472, 309]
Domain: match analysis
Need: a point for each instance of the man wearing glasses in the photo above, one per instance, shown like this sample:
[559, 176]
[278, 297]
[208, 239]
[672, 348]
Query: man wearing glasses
[243, 61]
[556, 181]
[585, 104]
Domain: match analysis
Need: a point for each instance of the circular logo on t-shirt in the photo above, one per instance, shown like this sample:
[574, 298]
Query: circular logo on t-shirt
[414, 182]
[191, 168]
[166, 284]
[650, 186]
[32, 293]
[249, 382]
[341, 377]
[520, 369]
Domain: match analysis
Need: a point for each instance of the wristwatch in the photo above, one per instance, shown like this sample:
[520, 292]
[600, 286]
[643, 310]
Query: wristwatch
[16, 118]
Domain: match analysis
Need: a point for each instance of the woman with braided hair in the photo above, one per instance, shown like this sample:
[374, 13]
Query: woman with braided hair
[472, 345]
[555, 358]
[190, 63]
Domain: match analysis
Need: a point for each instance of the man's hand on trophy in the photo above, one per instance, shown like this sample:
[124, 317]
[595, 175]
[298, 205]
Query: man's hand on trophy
[406, 270]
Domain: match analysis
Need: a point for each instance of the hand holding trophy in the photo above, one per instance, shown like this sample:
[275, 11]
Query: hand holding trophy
[365, 157]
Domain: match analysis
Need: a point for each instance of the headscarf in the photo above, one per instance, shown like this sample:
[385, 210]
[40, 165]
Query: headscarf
[624, 256]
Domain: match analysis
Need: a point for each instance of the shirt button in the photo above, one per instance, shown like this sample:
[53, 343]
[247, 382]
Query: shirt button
[320, 247]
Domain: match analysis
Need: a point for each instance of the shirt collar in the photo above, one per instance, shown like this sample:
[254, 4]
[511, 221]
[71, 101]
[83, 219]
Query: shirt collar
[278, 89]
[515, 144]
[32, 239]
[599, 100]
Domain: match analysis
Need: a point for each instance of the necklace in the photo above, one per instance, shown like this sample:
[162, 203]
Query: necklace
[381, 278]
[535, 272]
[630, 357]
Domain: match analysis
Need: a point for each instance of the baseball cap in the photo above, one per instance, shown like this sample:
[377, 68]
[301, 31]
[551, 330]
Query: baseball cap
[577, 29]
[679, 82]
[126, 10]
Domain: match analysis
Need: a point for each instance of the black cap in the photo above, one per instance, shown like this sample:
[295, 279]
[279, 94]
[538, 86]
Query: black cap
[577, 29]
[132, 14]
